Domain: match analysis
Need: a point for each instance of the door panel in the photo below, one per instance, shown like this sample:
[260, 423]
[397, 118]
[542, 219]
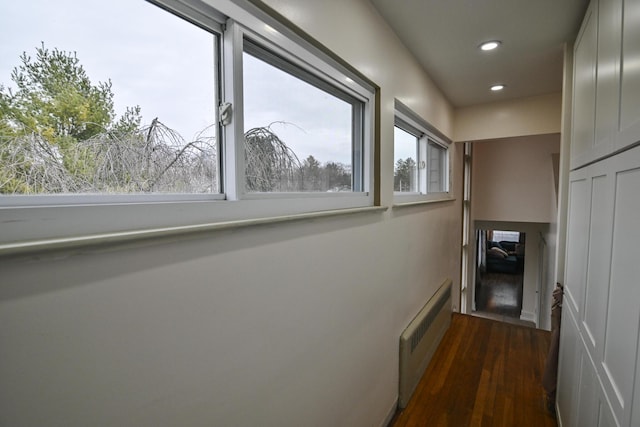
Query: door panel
[601, 314]
[577, 241]
[584, 90]
[596, 294]
[630, 80]
[608, 75]
[624, 293]
[568, 373]
[588, 394]
[606, 418]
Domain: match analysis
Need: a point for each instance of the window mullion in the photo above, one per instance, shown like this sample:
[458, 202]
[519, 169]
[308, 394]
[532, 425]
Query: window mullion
[234, 131]
[357, 158]
[422, 164]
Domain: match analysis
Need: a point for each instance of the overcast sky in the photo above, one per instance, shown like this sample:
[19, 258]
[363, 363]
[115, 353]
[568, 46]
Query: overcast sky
[165, 65]
[153, 59]
[405, 145]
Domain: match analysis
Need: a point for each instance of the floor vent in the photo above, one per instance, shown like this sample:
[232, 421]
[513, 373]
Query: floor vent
[420, 339]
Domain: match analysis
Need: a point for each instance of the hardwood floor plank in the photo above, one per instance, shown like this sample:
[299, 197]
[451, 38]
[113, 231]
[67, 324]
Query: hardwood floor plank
[484, 373]
[478, 412]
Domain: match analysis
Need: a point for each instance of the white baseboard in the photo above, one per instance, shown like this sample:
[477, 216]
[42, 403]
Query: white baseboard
[528, 316]
[391, 414]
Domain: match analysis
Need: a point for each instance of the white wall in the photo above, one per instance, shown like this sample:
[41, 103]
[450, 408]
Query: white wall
[512, 130]
[536, 115]
[565, 157]
[513, 183]
[552, 237]
[263, 326]
[513, 179]
[283, 325]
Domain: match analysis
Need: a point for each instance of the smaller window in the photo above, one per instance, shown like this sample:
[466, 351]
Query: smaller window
[405, 172]
[436, 167]
[421, 159]
[302, 134]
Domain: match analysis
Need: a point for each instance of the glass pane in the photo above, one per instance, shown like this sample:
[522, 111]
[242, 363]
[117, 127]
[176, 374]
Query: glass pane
[298, 137]
[105, 97]
[506, 236]
[405, 172]
[436, 168]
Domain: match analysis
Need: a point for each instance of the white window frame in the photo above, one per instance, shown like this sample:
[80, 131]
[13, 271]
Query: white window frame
[412, 123]
[444, 173]
[272, 40]
[63, 217]
[408, 128]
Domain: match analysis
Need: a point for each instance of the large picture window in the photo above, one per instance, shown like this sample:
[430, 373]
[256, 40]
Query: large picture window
[183, 109]
[88, 110]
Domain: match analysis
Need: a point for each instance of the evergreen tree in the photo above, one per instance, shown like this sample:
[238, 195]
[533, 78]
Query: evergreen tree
[405, 175]
[53, 107]
[54, 97]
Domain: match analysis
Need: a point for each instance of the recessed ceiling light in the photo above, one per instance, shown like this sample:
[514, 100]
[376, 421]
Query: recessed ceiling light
[490, 45]
[496, 88]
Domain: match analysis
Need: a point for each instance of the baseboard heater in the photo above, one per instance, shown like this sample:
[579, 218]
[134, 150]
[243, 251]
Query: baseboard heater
[420, 340]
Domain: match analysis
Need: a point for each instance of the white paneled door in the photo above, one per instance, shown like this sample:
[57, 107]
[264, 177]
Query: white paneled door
[599, 380]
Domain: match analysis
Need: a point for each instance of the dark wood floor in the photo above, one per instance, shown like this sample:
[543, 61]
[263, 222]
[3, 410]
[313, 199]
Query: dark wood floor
[484, 373]
[499, 293]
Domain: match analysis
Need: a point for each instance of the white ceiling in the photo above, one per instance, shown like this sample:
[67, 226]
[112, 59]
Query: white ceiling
[444, 35]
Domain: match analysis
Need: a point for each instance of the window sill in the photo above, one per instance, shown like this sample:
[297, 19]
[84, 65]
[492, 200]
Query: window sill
[75, 242]
[86, 217]
[399, 204]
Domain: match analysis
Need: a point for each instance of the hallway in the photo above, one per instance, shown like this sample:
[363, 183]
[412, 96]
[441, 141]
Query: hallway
[499, 297]
[484, 373]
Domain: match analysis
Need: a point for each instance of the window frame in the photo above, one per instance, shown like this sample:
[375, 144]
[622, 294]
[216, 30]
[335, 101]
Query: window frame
[29, 218]
[444, 174]
[409, 129]
[502, 233]
[298, 54]
[425, 133]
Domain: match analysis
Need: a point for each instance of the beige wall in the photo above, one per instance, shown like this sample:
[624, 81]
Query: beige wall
[285, 324]
[514, 187]
[527, 116]
[272, 325]
[565, 157]
[513, 179]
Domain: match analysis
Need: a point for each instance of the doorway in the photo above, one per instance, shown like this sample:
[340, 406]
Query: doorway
[499, 277]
